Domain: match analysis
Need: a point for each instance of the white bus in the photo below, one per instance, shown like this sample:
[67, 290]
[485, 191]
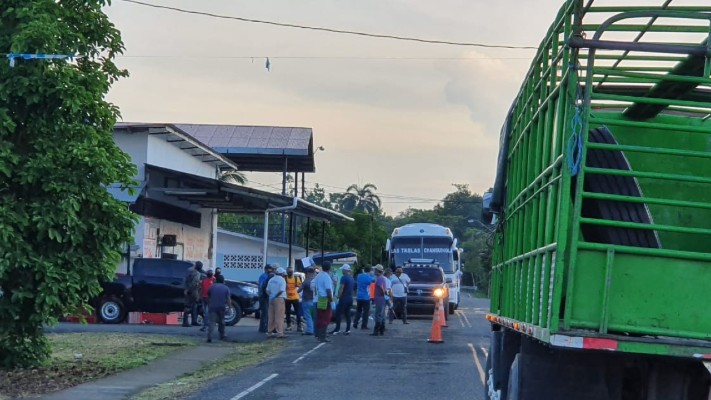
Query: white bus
[428, 241]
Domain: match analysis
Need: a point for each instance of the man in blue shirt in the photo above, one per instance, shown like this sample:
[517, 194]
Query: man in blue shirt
[345, 300]
[363, 297]
[264, 299]
[218, 298]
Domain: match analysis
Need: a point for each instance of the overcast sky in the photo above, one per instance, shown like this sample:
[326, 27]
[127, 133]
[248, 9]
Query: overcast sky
[410, 118]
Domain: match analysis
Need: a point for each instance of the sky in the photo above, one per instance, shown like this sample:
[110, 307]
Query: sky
[411, 118]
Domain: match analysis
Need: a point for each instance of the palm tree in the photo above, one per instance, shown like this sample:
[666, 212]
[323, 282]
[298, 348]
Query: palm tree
[233, 176]
[361, 199]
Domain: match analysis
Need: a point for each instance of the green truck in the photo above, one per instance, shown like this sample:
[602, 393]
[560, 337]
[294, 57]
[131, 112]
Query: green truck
[601, 263]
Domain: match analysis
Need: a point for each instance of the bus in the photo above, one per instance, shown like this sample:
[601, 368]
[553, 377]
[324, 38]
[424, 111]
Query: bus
[428, 241]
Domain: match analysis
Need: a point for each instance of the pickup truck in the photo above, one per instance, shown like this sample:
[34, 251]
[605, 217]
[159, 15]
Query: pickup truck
[156, 285]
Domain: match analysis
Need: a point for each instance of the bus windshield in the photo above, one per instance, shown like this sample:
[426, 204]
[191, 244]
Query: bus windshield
[439, 249]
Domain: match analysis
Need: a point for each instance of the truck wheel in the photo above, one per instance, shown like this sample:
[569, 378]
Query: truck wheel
[487, 372]
[233, 314]
[111, 310]
[514, 386]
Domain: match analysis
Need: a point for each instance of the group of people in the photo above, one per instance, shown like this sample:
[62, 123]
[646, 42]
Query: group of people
[283, 292]
[208, 289]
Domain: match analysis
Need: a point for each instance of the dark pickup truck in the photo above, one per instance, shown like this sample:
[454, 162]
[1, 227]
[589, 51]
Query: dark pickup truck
[426, 279]
[156, 285]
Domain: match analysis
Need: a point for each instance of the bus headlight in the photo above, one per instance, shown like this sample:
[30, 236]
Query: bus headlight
[439, 292]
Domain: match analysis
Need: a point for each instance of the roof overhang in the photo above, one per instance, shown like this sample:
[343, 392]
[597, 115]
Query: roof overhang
[180, 139]
[227, 197]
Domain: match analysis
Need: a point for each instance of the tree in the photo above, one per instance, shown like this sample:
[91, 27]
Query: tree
[361, 199]
[60, 230]
[235, 177]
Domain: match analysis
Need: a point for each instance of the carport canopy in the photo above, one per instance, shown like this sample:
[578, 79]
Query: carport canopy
[231, 198]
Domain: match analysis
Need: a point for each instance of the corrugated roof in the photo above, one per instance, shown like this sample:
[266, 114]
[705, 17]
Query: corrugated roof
[258, 148]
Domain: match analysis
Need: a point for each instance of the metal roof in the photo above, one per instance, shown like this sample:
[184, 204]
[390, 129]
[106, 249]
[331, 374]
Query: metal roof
[126, 194]
[258, 148]
[181, 140]
[227, 197]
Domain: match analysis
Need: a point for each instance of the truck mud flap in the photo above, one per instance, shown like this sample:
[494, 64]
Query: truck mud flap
[614, 210]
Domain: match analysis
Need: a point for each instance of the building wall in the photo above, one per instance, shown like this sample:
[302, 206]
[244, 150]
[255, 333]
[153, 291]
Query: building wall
[241, 256]
[163, 154]
[193, 243]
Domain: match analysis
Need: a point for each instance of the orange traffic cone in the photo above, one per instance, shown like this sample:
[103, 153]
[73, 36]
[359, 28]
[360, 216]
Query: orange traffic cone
[436, 334]
[442, 317]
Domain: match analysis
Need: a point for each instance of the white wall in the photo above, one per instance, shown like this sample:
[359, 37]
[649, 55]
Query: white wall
[163, 154]
[241, 256]
[135, 145]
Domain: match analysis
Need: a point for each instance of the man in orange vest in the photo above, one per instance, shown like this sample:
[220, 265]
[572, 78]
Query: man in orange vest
[293, 298]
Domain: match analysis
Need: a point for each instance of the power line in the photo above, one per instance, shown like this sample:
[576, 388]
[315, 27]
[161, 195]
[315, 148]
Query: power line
[198, 57]
[332, 30]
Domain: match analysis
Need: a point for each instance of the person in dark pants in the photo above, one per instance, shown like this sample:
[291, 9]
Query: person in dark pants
[363, 297]
[218, 298]
[191, 285]
[264, 298]
[345, 300]
[379, 300]
[400, 282]
[293, 298]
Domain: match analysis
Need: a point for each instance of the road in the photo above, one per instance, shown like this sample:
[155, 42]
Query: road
[399, 365]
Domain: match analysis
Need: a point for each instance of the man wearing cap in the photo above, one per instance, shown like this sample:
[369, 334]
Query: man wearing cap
[379, 300]
[264, 298]
[293, 298]
[345, 300]
[276, 289]
[323, 290]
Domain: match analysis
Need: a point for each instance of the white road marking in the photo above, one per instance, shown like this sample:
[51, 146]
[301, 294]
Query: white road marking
[469, 324]
[461, 321]
[307, 353]
[486, 352]
[255, 387]
[478, 364]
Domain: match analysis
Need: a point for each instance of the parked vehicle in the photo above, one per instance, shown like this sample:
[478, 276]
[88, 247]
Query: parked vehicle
[428, 284]
[156, 285]
[428, 241]
[601, 263]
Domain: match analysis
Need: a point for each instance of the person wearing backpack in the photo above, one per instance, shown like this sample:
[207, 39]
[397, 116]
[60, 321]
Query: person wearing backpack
[264, 298]
[191, 285]
[293, 298]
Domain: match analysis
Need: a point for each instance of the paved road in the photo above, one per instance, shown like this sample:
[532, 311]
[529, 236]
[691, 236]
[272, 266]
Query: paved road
[400, 365]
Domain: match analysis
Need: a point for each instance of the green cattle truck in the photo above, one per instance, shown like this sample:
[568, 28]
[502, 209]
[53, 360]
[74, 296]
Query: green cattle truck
[601, 265]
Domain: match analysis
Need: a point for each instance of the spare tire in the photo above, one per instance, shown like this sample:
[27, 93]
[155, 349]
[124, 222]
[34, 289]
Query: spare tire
[614, 210]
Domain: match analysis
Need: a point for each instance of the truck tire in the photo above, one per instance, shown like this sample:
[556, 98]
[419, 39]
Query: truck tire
[614, 210]
[514, 385]
[487, 372]
[233, 314]
[111, 310]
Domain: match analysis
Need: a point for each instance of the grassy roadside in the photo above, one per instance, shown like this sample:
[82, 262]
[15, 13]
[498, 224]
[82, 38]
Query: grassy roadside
[237, 356]
[478, 294]
[82, 357]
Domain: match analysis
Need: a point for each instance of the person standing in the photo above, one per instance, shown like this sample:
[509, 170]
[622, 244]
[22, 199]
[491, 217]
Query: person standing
[218, 299]
[323, 289]
[345, 300]
[205, 286]
[389, 295]
[264, 298]
[363, 282]
[307, 301]
[400, 283]
[293, 298]
[276, 289]
[191, 284]
[379, 300]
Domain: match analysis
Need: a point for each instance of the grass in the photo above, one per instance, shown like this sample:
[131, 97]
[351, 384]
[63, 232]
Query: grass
[82, 357]
[237, 356]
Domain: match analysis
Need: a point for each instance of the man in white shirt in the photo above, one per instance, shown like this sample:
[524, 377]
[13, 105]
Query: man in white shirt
[322, 286]
[400, 282]
[276, 289]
